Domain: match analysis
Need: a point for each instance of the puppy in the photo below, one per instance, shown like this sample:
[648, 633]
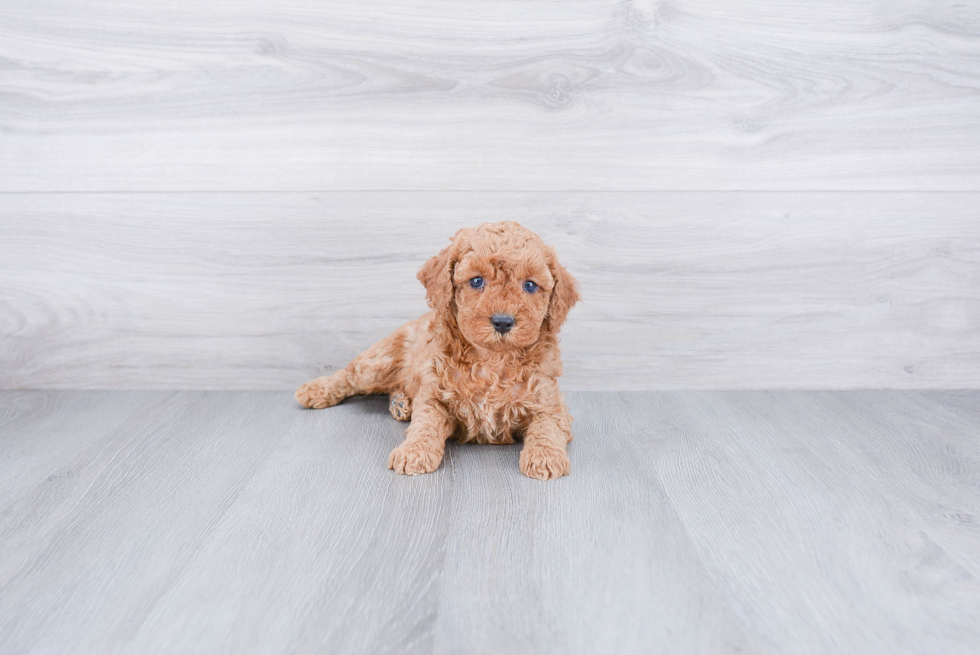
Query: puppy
[483, 364]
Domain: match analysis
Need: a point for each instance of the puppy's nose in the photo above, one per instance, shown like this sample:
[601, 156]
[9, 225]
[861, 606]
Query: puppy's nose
[502, 323]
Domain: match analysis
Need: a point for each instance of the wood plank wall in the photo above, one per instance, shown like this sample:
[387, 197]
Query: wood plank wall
[238, 194]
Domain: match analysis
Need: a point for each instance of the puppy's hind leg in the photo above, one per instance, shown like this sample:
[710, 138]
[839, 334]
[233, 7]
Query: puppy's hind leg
[326, 391]
[376, 370]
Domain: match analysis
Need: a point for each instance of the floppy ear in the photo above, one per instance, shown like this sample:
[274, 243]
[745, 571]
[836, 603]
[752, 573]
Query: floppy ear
[564, 295]
[436, 275]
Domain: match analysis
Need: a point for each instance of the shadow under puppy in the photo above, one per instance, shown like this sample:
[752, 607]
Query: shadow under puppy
[483, 364]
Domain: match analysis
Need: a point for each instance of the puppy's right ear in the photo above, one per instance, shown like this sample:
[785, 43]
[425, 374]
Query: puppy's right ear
[436, 275]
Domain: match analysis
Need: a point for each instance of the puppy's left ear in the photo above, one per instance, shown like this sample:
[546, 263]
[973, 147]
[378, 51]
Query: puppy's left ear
[564, 295]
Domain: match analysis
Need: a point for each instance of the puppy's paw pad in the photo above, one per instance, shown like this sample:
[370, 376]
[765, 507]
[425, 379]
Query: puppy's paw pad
[400, 406]
[544, 463]
[414, 459]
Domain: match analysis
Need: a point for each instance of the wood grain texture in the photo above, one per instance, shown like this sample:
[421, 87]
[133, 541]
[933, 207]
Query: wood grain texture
[692, 522]
[99, 95]
[869, 506]
[681, 290]
[597, 562]
[242, 488]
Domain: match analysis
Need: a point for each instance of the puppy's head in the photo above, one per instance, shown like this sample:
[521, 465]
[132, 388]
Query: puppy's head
[500, 284]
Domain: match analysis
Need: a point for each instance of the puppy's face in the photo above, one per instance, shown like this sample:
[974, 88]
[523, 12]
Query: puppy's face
[502, 295]
[501, 284]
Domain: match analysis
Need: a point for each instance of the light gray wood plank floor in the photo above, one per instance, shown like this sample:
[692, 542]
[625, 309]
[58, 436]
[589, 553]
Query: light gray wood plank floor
[692, 522]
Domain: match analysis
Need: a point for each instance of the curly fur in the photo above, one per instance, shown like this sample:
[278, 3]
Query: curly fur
[453, 375]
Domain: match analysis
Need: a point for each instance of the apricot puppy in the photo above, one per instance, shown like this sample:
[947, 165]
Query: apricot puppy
[483, 364]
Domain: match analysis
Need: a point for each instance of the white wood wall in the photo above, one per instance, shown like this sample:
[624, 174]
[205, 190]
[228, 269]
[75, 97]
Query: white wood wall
[238, 194]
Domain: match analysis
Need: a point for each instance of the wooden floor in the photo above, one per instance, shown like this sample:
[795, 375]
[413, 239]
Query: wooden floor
[692, 522]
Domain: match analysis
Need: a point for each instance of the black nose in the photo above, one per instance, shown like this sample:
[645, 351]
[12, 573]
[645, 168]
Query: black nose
[502, 323]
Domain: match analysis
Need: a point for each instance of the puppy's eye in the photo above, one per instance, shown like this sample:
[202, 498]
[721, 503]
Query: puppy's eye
[530, 287]
[477, 283]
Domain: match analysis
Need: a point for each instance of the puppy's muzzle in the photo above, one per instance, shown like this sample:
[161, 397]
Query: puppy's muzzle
[502, 323]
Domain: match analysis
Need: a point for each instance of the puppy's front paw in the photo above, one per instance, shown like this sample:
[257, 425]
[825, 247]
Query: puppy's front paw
[413, 458]
[322, 392]
[544, 462]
